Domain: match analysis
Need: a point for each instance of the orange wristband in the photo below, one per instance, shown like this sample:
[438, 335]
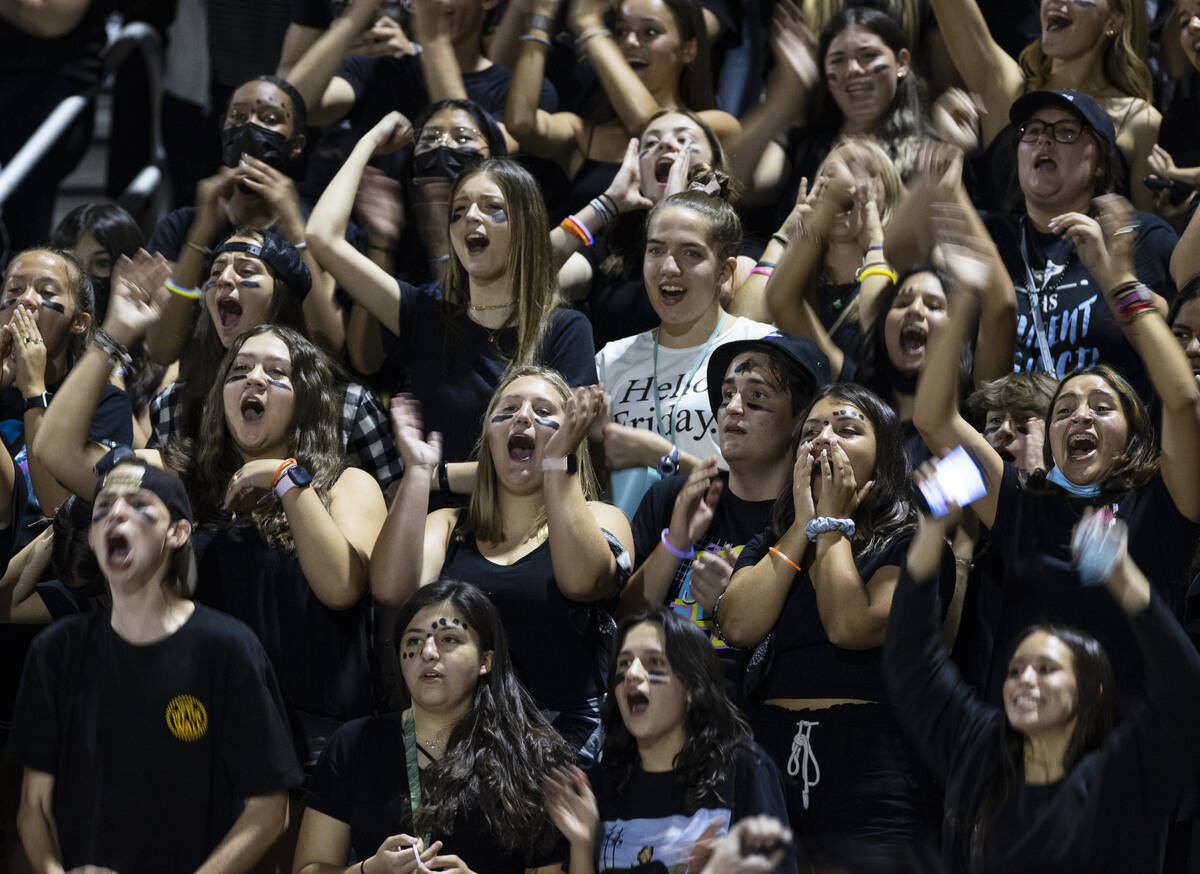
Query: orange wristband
[779, 553]
[283, 465]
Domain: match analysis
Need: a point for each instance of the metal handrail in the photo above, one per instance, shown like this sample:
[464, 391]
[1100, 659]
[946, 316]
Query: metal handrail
[135, 34]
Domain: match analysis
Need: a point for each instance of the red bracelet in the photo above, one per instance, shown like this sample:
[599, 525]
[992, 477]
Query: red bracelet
[283, 465]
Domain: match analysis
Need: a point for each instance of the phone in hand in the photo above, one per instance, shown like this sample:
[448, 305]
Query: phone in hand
[1179, 190]
[956, 479]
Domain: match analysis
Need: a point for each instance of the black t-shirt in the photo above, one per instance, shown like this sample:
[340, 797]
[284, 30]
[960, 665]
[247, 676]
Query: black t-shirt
[1032, 533]
[319, 654]
[802, 662]
[152, 747]
[362, 780]
[648, 828]
[1079, 326]
[1109, 813]
[454, 368]
[382, 85]
[734, 523]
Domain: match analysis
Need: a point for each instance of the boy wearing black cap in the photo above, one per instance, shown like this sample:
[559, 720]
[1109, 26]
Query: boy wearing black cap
[689, 530]
[152, 734]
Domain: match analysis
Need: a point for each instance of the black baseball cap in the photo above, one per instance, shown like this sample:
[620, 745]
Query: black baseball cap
[801, 350]
[129, 471]
[1077, 103]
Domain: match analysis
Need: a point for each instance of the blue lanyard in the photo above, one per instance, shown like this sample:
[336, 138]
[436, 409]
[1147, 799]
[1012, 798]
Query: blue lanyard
[699, 360]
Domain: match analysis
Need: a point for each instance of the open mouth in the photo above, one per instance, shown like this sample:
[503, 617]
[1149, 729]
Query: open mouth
[230, 312]
[637, 703]
[476, 243]
[860, 87]
[662, 168]
[637, 63]
[1080, 446]
[912, 339]
[520, 447]
[118, 551]
[672, 293]
[1044, 161]
[252, 409]
[430, 676]
[1056, 21]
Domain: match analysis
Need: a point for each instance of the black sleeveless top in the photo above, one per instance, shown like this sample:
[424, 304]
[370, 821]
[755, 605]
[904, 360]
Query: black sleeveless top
[549, 636]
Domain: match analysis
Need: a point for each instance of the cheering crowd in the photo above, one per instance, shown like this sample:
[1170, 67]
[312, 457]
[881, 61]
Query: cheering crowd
[667, 436]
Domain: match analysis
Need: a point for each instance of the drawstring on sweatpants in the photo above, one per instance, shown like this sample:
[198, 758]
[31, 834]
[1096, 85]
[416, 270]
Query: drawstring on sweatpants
[802, 758]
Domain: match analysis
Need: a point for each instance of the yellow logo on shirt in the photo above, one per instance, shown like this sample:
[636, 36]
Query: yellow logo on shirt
[186, 718]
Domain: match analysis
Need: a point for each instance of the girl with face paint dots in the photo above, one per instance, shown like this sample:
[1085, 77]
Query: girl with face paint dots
[472, 798]
[813, 592]
[679, 767]
[1101, 449]
[1044, 782]
[495, 305]
[533, 538]
[284, 528]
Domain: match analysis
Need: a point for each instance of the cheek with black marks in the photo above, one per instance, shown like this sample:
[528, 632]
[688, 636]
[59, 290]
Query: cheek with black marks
[101, 514]
[831, 76]
[499, 217]
[249, 283]
[286, 386]
[54, 305]
[146, 514]
[8, 302]
[237, 377]
[618, 678]
[504, 417]
[879, 67]
[548, 423]
[658, 678]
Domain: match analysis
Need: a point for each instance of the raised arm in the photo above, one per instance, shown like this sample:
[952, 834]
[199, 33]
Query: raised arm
[555, 136]
[985, 67]
[19, 601]
[433, 22]
[62, 443]
[585, 568]
[788, 89]
[1108, 256]
[1185, 260]
[396, 569]
[936, 414]
[363, 279]
[329, 98]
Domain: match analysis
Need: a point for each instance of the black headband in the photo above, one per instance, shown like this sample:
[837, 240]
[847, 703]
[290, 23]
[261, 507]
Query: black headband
[282, 257]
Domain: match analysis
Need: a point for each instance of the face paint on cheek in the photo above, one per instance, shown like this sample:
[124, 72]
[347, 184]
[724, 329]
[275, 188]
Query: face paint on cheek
[879, 68]
[548, 423]
[658, 678]
[496, 420]
[100, 515]
[145, 513]
[618, 678]
[249, 283]
[279, 384]
[8, 302]
[831, 76]
[237, 377]
[54, 305]
[499, 217]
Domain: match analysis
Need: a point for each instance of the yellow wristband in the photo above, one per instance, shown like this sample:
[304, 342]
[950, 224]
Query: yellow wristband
[189, 293]
[876, 271]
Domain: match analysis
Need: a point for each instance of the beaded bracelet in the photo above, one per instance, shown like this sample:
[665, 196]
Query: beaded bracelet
[716, 617]
[575, 227]
[779, 552]
[678, 553]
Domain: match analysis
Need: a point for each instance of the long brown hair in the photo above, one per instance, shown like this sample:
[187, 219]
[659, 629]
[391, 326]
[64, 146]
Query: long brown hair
[527, 263]
[314, 437]
[482, 519]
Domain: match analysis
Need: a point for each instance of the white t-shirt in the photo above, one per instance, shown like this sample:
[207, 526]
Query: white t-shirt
[626, 367]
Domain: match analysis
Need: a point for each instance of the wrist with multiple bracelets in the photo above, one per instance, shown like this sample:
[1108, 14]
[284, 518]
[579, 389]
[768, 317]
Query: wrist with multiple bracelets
[1130, 300]
[604, 206]
[112, 347]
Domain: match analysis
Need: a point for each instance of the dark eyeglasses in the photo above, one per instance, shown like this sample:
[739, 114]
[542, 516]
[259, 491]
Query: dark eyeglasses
[1065, 131]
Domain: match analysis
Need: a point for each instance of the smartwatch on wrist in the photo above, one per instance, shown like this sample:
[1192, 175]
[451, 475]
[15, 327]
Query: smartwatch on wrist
[38, 402]
[668, 465]
[292, 477]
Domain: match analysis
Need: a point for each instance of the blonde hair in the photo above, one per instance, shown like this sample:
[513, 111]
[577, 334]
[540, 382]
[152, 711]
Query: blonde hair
[1123, 65]
[482, 519]
[884, 169]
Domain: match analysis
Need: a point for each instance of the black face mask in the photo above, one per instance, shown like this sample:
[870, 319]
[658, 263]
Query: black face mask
[445, 162]
[268, 146]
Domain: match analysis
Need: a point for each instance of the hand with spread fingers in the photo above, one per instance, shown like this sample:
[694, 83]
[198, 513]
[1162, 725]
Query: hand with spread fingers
[579, 411]
[840, 494]
[278, 191]
[1106, 243]
[794, 45]
[417, 449]
[571, 804]
[138, 295]
[956, 118]
[626, 187]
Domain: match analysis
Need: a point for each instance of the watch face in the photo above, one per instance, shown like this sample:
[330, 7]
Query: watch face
[299, 475]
